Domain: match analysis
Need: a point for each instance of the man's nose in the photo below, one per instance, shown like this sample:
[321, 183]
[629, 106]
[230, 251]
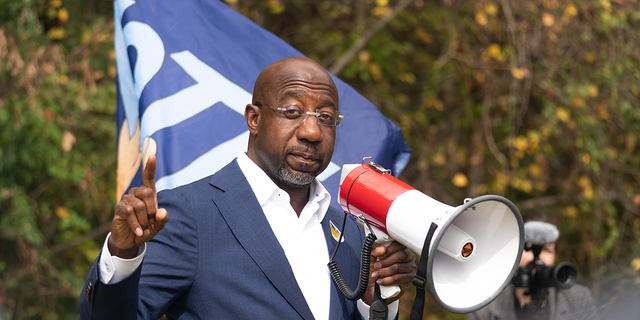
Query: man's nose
[310, 129]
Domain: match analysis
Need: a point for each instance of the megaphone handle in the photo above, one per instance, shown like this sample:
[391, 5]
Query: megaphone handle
[387, 292]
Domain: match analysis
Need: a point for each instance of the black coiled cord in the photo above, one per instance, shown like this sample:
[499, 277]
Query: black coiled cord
[365, 264]
[363, 281]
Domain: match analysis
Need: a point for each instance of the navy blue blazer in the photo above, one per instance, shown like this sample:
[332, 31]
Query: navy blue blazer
[217, 258]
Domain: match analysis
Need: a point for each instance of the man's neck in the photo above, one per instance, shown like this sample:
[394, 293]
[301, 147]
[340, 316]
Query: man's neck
[298, 197]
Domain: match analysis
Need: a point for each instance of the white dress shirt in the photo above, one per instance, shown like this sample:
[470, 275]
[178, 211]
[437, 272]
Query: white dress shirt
[301, 238]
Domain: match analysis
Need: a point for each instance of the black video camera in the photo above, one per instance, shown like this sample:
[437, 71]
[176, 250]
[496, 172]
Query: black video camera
[537, 275]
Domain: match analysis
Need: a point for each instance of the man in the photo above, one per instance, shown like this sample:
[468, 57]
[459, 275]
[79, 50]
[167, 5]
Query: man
[515, 303]
[253, 240]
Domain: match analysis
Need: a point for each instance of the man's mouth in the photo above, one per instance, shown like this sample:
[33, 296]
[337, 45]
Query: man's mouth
[305, 158]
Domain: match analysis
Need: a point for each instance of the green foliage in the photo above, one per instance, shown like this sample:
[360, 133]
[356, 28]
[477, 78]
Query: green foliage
[533, 100]
[57, 145]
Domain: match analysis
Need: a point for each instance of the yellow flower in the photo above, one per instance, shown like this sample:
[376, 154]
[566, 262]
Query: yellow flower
[63, 79]
[571, 211]
[407, 77]
[521, 143]
[571, 10]
[112, 71]
[363, 56]
[588, 193]
[535, 170]
[63, 15]
[490, 8]
[460, 180]
[519, 73]
[62, 212]
[481, 19]
[424, 36]
[562, 114]
[577, 102]
[548, 19]
[56, 33]
[439, 159]
[494, 50]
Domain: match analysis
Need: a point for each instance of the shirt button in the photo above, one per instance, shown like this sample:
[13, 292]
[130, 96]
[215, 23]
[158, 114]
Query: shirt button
[107, 267]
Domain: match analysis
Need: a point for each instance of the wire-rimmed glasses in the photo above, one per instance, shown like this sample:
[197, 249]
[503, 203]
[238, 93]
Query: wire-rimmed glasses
[294, 115]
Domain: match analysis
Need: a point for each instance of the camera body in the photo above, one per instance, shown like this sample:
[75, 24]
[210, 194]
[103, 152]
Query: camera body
[537, 275]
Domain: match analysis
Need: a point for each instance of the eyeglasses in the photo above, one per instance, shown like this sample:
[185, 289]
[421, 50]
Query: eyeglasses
[295, 116]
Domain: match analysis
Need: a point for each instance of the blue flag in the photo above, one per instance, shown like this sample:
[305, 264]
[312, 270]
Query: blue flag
[186, 70]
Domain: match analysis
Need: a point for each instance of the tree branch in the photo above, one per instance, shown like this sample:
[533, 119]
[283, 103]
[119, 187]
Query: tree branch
[342, 61]
[100, 230]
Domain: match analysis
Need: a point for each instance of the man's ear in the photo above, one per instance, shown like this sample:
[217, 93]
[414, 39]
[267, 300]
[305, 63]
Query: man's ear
[252, 114]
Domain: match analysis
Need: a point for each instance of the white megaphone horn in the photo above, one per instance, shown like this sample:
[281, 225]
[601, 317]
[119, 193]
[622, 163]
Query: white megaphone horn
[474, 252]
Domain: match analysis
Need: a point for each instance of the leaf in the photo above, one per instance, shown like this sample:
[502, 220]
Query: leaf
[562, 114]
[519, 73]
[460, 180]
[571, 10]
[62, 213]
[481, 19]
[547, 19]
[68, 140]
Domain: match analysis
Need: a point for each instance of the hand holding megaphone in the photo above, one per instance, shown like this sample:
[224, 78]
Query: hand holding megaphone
[386, 292]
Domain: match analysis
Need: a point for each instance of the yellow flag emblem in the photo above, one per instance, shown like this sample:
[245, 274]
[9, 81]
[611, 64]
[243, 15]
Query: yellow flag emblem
[335, 231]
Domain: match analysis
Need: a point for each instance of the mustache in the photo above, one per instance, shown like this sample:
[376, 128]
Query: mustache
[306, 149]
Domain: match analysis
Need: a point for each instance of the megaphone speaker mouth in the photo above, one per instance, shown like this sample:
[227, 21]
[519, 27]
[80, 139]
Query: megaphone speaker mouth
[463, 286]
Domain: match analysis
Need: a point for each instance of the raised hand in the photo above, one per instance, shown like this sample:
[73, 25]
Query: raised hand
[137, 218]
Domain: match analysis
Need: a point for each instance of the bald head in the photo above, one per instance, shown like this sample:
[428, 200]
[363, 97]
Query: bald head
[289, 71]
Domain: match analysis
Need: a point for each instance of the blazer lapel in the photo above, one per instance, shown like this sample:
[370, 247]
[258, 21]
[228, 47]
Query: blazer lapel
[242, 212]
[340, 309]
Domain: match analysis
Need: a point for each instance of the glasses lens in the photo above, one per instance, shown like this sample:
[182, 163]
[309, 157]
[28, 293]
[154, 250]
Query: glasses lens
[293, 115]
[325, 118]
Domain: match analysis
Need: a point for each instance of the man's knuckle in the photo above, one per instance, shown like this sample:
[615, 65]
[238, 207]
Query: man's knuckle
[146, 192]
[127, 210]
[140, 206]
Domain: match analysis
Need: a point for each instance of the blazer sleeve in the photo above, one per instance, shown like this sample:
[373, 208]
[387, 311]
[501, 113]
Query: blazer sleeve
[163, 278]
[102, 301]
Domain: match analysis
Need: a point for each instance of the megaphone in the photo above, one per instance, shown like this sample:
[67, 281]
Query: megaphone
[475, 250]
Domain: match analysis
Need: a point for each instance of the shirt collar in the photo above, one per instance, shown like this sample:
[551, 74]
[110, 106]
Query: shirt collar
[263, 187]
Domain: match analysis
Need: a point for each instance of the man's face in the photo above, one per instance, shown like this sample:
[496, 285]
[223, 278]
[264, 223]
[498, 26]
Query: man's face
[547, 255]
[293, 153]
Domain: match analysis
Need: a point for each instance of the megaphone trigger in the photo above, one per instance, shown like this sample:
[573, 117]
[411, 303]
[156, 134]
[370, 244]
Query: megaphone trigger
[386, 292]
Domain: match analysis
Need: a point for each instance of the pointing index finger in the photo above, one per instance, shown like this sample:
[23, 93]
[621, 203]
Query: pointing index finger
[149, 173]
